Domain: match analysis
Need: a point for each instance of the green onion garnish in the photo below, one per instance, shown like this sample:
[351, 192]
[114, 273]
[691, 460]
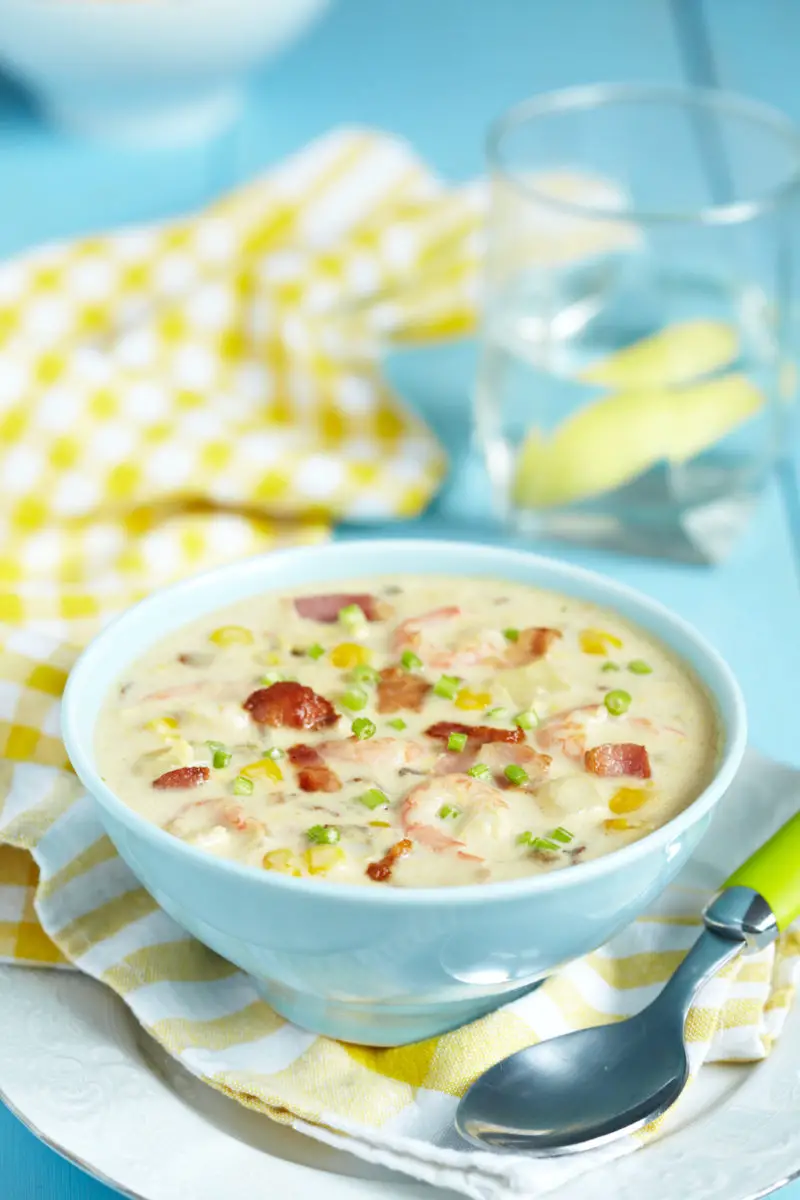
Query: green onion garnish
[353, 619]
[543, 844]
[526, 720]
[610, 666]
[270, 677]
[354, 698]
[447, 686]
[221, 758]
[364, 674]
[456, 741]
[640, 667]
[323, 835]
[274, 753]
[480, 771]
[516, 775]
[617, 702]
[397, 723]
[495, 714]
[511, 635]
[372, 798]
[363, 728]
[315, 651]
[449, 810]
[410, 660]
[562, 835]
[242, 786]
[214, 746]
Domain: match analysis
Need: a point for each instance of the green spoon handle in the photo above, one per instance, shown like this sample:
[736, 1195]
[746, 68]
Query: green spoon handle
[774, 872]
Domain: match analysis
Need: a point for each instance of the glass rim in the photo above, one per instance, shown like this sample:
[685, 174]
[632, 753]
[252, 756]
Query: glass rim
[606, 95]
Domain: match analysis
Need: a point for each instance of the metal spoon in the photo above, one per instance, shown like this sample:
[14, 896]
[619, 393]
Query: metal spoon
[580, 1090]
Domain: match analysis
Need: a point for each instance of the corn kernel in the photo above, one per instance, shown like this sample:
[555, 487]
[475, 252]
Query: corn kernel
[265, 768]
[380, 824]
[597, 641]
[231, 635]
[162, 725]
[472, 701]
[347, 655]
[321, 858]
[627, 800]
[283, 861]
[616, 825]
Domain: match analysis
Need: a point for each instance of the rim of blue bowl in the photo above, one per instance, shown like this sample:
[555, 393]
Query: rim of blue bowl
[734, 731]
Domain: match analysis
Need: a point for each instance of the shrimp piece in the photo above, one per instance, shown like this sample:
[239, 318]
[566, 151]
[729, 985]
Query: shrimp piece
[408, 634]
[385, 754]
[199, 818]
[567, 731]
[470, 796]
[469, 648]
[499, 755]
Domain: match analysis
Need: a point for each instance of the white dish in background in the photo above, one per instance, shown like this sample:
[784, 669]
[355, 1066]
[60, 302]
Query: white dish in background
[148, 71]
[76, 1068]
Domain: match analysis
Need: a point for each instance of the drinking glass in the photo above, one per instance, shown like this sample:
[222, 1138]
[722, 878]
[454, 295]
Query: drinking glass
[634, 377]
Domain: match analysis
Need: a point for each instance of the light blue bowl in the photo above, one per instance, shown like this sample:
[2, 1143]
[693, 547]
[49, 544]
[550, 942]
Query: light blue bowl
[379, 965]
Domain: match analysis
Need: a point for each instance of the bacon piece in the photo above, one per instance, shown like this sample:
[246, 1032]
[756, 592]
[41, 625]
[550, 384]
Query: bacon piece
[313, 775]
[292, 705]
[531, 644]
[475, 733]
[182, 777]
[381, 870]
[621, 758]
[399, 690]
[326, 609]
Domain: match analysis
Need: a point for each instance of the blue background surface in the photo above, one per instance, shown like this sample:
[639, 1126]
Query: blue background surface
[436, 71]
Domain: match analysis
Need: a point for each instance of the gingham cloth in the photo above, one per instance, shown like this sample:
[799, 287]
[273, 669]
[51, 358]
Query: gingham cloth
[170, 397]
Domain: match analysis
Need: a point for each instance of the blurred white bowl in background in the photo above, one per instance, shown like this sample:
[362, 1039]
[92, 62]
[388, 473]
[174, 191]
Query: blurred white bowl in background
[151, 71]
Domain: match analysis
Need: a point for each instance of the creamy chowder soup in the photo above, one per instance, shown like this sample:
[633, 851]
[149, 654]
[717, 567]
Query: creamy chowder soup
[409, 732]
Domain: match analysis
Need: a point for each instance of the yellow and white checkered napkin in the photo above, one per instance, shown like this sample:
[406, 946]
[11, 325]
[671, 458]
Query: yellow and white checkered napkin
[176, 395]
[393, 1107]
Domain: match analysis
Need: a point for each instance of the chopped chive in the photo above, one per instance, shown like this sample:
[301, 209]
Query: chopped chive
[639, 667]
[526, 838]
[447, 686]
[315, 651]
[323, 835]
[495, 714]
[410, 660]
[274, 753]
[543, 844]
[617, 702]
[355, 699]
[516, 775]
[610, 666]
[456, 741]
[449, 810]
[353, 619]
[480, 771]
[397, 723]
[242, 786]
[270, 677]
[562, 835]
[364, 674]
[373, 798]
[363, 728]
[215, 746]
[511, 635]
[221, 758]
[526, 720]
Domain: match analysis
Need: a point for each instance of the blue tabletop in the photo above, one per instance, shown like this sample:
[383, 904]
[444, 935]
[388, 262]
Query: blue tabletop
[436, 72]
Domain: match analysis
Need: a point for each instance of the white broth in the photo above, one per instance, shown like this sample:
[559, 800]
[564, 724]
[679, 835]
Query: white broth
[413, 732]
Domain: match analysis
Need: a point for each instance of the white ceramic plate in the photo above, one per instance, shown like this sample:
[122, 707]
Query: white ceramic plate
[77, 1069]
